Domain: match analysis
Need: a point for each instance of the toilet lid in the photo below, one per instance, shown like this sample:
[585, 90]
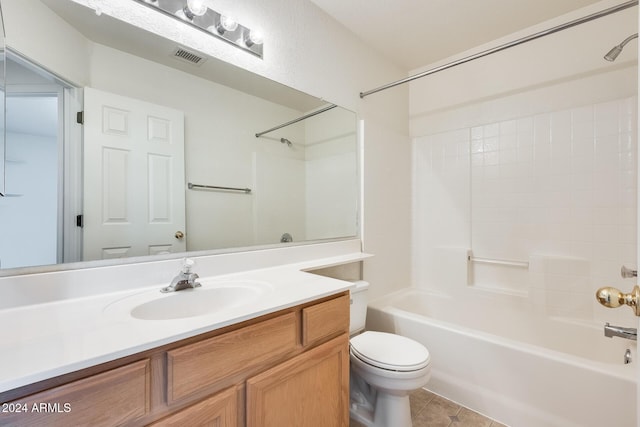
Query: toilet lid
[390, 351]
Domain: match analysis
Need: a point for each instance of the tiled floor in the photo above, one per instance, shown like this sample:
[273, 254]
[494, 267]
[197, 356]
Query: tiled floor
[431, 410]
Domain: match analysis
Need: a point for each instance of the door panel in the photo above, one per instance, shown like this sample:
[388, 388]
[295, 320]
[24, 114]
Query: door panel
[133, 177]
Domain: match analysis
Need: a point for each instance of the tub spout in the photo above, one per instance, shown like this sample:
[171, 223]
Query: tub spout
[618, 331]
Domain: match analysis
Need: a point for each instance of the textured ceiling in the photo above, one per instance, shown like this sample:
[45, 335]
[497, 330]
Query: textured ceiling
[414, 33]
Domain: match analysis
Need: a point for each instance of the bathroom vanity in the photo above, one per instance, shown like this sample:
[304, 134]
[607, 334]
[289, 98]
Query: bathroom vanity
[277, 359]
[286, 368]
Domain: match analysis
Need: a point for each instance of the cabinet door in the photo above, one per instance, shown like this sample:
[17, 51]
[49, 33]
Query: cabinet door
[220, 410]
[310, 390]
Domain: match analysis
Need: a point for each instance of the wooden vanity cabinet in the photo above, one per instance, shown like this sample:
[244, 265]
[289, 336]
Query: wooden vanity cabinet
[309, 390]
[289, 368]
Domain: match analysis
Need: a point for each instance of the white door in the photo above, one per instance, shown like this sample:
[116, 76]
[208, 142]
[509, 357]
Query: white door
[134, 201]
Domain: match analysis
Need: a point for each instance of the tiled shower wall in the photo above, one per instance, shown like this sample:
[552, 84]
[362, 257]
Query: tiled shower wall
[556, 190]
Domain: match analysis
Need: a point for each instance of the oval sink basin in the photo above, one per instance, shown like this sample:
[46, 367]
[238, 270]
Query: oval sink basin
[208, 299]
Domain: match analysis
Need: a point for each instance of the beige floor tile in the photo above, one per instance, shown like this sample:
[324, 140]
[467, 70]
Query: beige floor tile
[439, 403]
[419, 400]
[431, 419]
[431, 410]
[438, 413]
[469, 418]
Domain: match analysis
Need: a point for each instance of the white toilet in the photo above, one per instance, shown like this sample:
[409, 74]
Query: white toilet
[385, 368]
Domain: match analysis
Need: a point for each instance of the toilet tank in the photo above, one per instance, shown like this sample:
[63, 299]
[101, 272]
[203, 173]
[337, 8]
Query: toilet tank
[358, 313]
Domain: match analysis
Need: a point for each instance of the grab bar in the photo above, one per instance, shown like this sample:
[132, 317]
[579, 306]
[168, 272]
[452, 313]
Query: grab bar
[215, 187]
[507, 262]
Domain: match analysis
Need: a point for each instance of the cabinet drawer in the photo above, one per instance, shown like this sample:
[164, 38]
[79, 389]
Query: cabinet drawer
[107, 399]
[195, 367]
[325, 319]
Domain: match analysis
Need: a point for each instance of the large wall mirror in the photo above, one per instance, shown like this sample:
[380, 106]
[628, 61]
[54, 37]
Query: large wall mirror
[2, 109]
[167, 159]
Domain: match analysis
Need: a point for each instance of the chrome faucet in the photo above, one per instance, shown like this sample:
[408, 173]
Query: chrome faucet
[618, 331]
[184, 280]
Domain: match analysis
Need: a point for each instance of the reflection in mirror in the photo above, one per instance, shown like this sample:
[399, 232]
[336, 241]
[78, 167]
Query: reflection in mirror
[118, 185]
[31, 217]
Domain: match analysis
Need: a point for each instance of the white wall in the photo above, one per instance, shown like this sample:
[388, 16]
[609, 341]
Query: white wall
[535, 160]
[331, 174]
[279, 200]
[30, 212]
[68, 49]
[561, 57]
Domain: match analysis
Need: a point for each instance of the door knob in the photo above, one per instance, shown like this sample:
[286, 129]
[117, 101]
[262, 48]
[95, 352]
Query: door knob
[179, 235]
[613, 298]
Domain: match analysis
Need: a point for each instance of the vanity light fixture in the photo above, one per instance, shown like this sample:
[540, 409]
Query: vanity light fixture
[197, 14]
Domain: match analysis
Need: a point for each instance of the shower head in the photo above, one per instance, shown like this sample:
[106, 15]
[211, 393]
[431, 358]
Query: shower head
[616, 50]
[286, 141]
[613, 53]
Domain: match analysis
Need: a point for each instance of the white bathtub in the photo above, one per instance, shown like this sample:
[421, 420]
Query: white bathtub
[494, 355]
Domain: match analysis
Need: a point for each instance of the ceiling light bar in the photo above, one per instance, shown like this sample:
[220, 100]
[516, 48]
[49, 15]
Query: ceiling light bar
[196, 14]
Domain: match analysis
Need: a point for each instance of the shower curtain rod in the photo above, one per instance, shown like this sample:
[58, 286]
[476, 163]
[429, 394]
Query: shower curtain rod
[557, 28]
[299, 119]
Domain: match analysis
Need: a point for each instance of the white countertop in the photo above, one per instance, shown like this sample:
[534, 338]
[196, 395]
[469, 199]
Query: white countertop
[42, 341]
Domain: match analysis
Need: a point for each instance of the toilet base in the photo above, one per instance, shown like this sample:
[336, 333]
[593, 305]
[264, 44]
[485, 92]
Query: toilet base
[390, 411]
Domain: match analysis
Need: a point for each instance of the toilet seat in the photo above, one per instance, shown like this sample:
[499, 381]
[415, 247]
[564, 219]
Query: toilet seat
[390, 351]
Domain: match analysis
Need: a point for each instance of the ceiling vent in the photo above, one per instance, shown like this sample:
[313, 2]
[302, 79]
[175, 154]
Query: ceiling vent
[186, 56]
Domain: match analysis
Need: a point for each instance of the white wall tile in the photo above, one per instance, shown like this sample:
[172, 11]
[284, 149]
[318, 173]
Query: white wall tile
[561, 185]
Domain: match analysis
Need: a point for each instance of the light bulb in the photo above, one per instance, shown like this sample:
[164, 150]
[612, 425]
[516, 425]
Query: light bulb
[197, 7]
[228, 23]
[224, 24]
[254, 37]
[192, 9]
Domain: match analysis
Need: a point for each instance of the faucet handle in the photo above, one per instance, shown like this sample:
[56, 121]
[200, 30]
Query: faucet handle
[187, 264]
[627, 273]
